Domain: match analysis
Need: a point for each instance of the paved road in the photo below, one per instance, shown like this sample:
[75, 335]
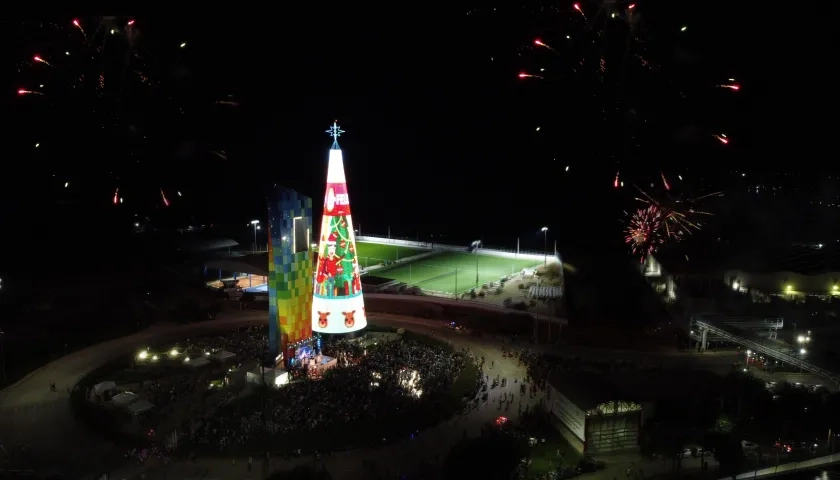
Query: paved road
[31, 414]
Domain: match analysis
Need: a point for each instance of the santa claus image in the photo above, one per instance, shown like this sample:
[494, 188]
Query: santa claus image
[330, 275]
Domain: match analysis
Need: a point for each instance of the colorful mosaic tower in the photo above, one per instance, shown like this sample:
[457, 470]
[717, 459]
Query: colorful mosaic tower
[337, 304]
[289, 272]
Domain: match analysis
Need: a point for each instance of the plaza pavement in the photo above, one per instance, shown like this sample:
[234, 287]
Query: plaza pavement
[32, 415]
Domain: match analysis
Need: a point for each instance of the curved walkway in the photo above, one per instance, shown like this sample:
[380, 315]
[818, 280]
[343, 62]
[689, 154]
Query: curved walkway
[32, 415]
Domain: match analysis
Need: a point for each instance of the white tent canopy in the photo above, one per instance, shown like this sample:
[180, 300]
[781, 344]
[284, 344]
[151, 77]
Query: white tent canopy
[197, 362]
[125, 398]
[103, 387]
[223, 355]
[140, 406]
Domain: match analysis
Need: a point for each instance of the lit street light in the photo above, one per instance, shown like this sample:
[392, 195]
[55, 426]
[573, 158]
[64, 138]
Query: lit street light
[545, 245]
[256, 224]
[802, 353]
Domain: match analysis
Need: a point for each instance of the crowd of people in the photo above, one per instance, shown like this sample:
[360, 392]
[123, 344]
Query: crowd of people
[248, 343]
[399, 378]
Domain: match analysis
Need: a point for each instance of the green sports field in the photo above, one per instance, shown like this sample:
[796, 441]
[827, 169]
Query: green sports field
[375, 253]
[453, 272]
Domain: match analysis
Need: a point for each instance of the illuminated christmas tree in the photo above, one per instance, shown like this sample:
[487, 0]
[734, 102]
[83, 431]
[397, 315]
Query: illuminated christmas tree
[337, 306]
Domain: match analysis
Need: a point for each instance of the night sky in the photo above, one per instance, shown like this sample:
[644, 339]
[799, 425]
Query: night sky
[441, 134]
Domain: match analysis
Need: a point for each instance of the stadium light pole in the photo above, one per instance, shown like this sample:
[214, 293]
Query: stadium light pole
[545, 245]
[3, 354]
[476, 263]
[476, 268]
[256, 224]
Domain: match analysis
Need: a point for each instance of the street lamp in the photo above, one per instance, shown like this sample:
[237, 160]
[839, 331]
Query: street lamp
[804, 338]
[256, 224]
[802, 353]
[545, 245]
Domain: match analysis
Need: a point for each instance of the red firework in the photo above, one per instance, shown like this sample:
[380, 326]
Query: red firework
[646, 231]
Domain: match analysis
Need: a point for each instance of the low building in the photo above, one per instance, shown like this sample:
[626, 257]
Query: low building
[592, 414]
[603, 413]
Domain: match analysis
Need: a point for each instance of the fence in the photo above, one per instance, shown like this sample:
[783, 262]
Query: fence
[455, 248]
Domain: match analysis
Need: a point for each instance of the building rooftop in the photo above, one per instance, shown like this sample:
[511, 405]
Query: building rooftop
[256, 264]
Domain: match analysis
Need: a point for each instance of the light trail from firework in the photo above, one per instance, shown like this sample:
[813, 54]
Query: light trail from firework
[586, 20]
[678, 221]
[527, 75]
[79, 26]
[540, 43]
[29, 92]
[38, 59]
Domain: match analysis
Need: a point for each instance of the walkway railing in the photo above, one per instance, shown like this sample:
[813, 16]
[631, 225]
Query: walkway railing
[787, 468]
[764, 350]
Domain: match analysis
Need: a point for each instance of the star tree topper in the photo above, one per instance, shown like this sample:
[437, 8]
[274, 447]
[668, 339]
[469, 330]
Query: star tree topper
[335, 132]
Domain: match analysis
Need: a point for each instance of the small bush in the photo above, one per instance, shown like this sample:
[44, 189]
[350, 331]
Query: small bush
[521, 306]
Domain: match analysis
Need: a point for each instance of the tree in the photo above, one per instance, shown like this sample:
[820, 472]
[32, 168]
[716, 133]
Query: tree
[728, 453]
[492, 456]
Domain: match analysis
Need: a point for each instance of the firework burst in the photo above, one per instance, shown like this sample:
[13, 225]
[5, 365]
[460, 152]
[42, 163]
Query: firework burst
[646, 231]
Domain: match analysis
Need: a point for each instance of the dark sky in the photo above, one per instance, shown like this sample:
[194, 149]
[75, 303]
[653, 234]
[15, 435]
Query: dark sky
[440, 132]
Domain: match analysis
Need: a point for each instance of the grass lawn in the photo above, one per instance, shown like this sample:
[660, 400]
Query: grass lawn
[438, 273]
[375, 253]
